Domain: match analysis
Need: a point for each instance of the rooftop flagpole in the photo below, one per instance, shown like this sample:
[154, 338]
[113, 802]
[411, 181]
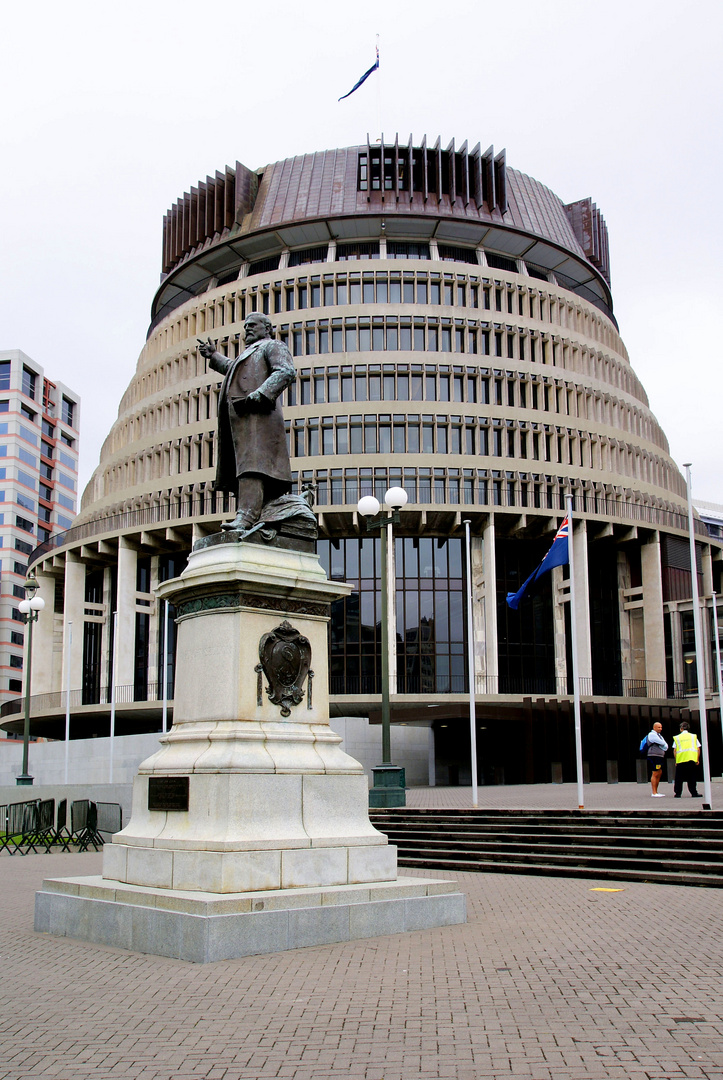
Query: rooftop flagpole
[379, 97]
[575, 676]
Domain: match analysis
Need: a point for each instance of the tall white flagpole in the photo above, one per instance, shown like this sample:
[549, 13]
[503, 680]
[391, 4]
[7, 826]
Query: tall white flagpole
[699, 648]
[112, 697]
[575, 677]
[470, 667]
[379, 103]
[67, 697]
[717, 658]
[165, 666]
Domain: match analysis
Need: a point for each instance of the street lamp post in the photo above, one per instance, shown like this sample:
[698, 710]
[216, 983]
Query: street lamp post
[30, 607]
[389, 780]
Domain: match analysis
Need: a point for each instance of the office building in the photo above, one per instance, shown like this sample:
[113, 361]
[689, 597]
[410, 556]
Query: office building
[38, 489]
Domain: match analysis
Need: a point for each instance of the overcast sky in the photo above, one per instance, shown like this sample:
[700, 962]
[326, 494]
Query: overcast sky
[109, 112]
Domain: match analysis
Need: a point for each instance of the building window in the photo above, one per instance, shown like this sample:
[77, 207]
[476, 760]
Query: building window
[400, 250]
[27, 412]
[67, 412]
[309, 255]
[263, 266]
[4, 374]
[15, 686]
[366, 249]
[25, 502]
[448, 253]
[29, 379]
[16, 661]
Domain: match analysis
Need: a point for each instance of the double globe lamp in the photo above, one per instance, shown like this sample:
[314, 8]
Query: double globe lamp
[30, 607]
[389, 780]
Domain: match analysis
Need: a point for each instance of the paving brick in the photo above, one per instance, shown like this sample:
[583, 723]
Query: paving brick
[540, 984]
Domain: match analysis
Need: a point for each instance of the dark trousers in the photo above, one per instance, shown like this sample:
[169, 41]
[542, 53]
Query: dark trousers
[686, 772]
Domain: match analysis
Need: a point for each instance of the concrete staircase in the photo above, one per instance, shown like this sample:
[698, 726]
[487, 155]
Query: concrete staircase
[672, 847]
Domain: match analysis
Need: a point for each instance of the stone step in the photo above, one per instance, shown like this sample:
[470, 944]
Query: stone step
[682, 848]
[461, 837]
[650, 874]
[579, 856]
[709, 850]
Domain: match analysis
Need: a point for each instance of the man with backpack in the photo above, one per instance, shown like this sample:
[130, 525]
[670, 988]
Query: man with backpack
[655, 747]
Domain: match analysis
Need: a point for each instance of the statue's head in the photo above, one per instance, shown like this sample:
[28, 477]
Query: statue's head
[256, 327]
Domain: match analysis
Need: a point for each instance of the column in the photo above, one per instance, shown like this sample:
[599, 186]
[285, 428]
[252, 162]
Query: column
[582, 599]
[74, 612]
[489, 602]
[126, 605]
[43, 638]
[676, 637]
[654, 633]
[432, 758]
[560, 598]
[627, 666]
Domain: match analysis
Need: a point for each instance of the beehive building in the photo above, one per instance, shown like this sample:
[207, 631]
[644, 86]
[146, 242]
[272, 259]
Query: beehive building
[453, 329]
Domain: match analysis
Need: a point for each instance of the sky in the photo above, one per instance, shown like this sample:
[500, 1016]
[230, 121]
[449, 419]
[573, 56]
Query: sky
[109, 112]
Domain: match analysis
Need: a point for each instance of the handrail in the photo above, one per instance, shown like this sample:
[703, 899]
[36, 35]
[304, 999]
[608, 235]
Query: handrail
[485, 686]
[484, 493]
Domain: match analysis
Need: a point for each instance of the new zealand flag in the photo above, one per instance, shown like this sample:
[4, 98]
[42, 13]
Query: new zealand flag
[557, 556]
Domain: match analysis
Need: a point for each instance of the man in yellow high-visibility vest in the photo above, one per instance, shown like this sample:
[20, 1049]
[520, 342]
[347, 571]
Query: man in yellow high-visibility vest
[687, 754]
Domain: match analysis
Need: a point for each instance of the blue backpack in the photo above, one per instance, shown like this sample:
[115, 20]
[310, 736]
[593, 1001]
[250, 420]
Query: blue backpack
[644, 745]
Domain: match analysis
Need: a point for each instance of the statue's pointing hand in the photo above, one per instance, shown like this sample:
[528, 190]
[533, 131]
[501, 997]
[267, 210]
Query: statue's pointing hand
[206, 348]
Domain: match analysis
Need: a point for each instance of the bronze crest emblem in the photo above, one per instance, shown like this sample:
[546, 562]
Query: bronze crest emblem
[285, 657]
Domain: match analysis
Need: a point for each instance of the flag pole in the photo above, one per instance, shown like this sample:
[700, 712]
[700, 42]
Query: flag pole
[69, 640]
[379, 101]
[470, 666]
[699, 651]
[112, 698]
[575, 677]
[165, 667]
[717, 657]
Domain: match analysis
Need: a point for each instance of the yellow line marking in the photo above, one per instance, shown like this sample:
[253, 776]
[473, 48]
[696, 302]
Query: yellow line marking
[606, 890]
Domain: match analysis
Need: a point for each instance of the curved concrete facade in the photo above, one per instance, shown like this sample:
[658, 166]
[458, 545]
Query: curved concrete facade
[452, 326]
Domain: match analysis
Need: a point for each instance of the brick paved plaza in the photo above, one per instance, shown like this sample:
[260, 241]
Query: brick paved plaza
[547, 981]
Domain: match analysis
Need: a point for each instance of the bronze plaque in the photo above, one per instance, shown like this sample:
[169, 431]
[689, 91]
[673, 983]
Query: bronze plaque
[168, 793]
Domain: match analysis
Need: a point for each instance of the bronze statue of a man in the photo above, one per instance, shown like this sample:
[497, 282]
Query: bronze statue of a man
[252, 456]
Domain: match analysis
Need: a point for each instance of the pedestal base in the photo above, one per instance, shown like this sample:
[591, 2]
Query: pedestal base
[389, 787]
[203, 927]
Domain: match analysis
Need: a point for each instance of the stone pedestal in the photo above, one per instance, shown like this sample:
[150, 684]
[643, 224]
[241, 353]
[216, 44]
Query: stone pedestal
[249, 795]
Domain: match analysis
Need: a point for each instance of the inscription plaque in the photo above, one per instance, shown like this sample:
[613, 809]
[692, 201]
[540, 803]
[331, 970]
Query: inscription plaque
[168, 792]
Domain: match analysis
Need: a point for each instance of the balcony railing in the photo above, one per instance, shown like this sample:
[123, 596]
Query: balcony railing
[495, 685]
[481, 492]
[124, 695]
[485, 686]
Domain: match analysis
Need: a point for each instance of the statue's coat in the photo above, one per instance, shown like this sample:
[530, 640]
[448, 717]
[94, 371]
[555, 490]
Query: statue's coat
[253, 442]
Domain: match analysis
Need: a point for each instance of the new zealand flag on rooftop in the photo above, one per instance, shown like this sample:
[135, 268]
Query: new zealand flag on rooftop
[558, 555]
[364, 77]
